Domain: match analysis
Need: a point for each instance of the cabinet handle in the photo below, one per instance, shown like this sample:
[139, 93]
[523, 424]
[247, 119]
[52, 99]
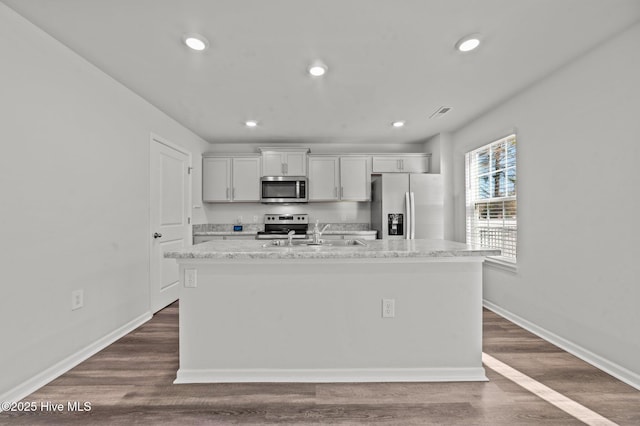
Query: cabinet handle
[335, 191]
[398, 164]
[342, 192]
[227, 194]
[157, 235]
[286, 168]
[233, 193]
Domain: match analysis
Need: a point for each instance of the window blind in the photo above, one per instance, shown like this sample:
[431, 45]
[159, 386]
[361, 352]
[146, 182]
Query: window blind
[490, 173]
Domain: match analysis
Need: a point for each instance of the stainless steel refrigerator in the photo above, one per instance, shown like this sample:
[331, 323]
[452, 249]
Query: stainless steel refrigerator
[407, 205]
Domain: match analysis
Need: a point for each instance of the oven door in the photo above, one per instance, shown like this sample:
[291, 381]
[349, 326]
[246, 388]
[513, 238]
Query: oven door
[277, 189]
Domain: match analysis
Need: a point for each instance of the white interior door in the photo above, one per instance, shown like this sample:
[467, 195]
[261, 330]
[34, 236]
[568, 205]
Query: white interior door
[169, 217]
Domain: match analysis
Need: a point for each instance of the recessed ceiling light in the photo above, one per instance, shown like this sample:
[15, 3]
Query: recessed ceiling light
[317, 70]
[468, 43]
[398, 124]
[251, 123]
[196, 41]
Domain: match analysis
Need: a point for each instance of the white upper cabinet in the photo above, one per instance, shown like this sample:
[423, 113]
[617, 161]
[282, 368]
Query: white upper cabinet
[216, 179]
[272, 164]
[284, 162]
[355, 178]
[407, 163]
[295, 163]
[226, 179]
[324, 178]
[246, 179]
[333, 178]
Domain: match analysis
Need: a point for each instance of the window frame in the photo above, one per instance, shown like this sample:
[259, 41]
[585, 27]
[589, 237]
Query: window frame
[504, 193]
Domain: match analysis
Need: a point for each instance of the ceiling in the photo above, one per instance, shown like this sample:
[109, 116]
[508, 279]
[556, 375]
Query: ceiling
[387, 60]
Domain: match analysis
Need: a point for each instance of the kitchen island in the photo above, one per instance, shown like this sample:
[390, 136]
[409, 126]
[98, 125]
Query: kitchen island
[251, 312]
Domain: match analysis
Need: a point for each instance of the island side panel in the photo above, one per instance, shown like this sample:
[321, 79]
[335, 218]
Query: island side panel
[314, 316]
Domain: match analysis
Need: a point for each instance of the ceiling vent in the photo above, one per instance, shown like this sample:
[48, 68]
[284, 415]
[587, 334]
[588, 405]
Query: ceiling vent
[440, 112]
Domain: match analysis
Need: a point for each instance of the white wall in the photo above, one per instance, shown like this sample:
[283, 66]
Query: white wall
[75, 202]
[440, 147]
[578, 150]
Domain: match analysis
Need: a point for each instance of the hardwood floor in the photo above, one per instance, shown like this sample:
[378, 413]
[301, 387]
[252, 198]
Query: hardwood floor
[130, 382]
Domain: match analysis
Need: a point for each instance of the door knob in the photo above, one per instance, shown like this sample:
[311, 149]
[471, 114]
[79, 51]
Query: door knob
[157, 235]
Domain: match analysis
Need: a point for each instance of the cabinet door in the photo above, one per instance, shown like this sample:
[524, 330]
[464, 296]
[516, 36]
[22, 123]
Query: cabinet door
[323, 178]
[401, 163]
[272, 164]
[386, 164]
[216, 179]
[415, 164]
[295, 164]
[246, 179]
[355, 179]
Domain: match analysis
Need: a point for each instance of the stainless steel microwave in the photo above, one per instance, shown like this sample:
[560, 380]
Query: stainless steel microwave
[283, 189]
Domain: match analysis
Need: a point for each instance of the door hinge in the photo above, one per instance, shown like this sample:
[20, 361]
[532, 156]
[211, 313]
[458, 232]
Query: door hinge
[189, 170]
[188, 221]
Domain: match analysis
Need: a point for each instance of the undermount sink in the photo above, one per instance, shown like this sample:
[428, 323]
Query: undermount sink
[309, 243]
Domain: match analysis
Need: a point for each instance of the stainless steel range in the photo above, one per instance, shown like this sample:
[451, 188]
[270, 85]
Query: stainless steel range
[277, 226]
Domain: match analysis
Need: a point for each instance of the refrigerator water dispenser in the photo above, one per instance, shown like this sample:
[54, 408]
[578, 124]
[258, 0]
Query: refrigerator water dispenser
[396, 224]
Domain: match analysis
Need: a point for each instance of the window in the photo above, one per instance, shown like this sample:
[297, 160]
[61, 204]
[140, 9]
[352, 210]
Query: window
[490, 173]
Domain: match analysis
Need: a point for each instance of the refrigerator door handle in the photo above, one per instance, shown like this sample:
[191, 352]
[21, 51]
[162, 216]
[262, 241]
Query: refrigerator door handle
[413, 216]
[407, 204]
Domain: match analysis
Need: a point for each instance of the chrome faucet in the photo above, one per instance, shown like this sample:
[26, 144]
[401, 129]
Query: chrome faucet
[290, 236]
[317, 233]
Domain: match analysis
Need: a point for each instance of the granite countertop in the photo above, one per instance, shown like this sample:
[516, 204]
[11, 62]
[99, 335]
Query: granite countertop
[252, 229]
[327, 232]
[234, 249]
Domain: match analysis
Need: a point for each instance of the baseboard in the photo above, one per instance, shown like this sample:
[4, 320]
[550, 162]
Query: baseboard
[323, 375]
[617, 371]
[41, 379]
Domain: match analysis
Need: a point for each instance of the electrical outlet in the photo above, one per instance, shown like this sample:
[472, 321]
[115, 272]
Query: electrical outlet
[77, 299]
[388, 308]
[190, 278]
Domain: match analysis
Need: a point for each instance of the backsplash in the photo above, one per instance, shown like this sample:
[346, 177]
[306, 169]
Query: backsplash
[253, 213]
[226, 227]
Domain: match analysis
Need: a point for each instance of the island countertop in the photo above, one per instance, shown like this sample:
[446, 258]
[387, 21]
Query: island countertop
[243, 250]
